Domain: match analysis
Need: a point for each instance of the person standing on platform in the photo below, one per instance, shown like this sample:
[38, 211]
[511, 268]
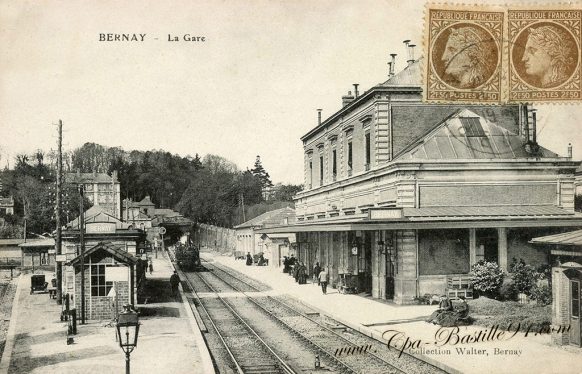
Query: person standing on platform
[249, 259]
[151, 266]
[174, 282]
[323, 279]
[316, 271]
[302, 274]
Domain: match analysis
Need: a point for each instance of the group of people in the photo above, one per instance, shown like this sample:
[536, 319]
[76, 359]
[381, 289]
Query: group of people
[299, 271]
[262, 261]
[447, 315]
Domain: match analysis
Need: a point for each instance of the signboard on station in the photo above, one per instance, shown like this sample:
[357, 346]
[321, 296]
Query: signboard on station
[100, 228]
[385, 213]
[116, 273]
[61, 258]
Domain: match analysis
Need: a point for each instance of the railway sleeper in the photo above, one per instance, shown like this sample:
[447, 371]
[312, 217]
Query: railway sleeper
[260, 369]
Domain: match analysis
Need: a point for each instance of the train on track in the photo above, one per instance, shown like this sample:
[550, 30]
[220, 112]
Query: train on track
[188, 257]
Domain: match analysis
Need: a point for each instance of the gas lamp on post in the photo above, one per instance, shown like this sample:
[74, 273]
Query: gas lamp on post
[127, 332]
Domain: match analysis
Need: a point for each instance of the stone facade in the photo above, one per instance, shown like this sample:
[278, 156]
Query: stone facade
[445, 186]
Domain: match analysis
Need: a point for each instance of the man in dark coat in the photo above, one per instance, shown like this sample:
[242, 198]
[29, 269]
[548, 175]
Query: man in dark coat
[316, 271]
[174, 282]
[249, 259]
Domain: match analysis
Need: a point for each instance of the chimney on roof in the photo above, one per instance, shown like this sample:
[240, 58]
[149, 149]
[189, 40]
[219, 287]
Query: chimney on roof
[356, 93]
[319, 116]
[410, 49]
[533, 127]
[570, 150]
[346, 99]
[392, 64]
[411, 54]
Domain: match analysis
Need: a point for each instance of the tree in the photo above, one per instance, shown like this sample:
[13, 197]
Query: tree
[285, 192]
[260, 172]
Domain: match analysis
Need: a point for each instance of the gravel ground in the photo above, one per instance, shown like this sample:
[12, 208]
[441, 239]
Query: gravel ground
[312, 329]
[7, 291]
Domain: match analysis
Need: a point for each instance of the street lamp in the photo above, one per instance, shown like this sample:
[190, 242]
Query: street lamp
[127, 332]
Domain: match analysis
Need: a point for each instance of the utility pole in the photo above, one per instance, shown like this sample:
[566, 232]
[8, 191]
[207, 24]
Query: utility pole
[58, 241]
[82, 240]
[242, 200]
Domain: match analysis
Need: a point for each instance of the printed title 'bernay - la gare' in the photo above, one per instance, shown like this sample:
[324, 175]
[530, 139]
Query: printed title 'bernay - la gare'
[142, 37]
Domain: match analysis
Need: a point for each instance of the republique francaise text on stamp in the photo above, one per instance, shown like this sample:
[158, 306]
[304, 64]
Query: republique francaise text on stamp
[493, 54]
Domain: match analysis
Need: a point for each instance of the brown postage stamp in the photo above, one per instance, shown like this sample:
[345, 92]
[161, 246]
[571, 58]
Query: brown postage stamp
[544, 55]
[494, 54]
[464, 56]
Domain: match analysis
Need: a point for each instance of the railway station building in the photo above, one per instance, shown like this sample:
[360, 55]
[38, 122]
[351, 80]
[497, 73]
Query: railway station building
[110, 261]
[273, 246]
[400, 194]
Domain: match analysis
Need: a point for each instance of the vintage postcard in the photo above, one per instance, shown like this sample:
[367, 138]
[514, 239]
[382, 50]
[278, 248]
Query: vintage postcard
[306, 186]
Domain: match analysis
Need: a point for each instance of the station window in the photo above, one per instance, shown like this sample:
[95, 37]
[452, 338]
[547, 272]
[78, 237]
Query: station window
[368, 151]
[320, 170]
[350, 158]
[99, 287]
[310, 173]
[334, 164]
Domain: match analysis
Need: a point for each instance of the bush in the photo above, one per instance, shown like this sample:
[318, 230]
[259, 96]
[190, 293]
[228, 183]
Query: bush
[524, 276]
[542, 294]
[487, 278]
[508, 292]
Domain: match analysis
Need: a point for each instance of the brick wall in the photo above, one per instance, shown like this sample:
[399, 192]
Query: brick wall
[99, 307]
[560, 305]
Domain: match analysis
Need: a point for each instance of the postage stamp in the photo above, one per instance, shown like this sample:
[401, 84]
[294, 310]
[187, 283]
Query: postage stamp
[544, 54]
[495, 54]
[464, 55]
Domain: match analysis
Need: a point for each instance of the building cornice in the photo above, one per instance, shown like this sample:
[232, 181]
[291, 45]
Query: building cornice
[440, 165]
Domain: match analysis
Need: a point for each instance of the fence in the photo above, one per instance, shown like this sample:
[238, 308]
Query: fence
[214, 237]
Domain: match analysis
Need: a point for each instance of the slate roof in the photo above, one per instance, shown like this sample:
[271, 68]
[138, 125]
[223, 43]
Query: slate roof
[449, 141]
[273, 217]
[48, 242]
[411, 75]
[118, 253]
[97, 214]
[6, 242]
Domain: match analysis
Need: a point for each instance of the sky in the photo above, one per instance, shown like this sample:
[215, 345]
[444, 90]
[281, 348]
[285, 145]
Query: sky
[252, 87]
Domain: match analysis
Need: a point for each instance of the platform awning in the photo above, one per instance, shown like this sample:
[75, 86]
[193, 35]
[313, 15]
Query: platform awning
[572, 238]
[439, 218]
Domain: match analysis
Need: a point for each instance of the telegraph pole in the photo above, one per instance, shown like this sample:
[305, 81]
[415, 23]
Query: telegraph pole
[58, 241]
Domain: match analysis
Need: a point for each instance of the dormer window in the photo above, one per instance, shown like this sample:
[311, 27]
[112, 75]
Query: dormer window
[472, 126]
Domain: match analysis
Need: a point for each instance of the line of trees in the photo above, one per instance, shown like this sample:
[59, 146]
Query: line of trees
[209, 190]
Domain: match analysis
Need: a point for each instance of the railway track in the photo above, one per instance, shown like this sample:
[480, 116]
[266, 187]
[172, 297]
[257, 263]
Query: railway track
[249, 353]
[295, 316]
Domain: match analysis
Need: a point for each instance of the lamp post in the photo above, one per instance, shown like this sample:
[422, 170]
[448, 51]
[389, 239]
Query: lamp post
[127, 332]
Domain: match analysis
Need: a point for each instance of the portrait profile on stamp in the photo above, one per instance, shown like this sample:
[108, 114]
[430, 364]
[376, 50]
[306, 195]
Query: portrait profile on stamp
[544, 55]
[465, 55]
